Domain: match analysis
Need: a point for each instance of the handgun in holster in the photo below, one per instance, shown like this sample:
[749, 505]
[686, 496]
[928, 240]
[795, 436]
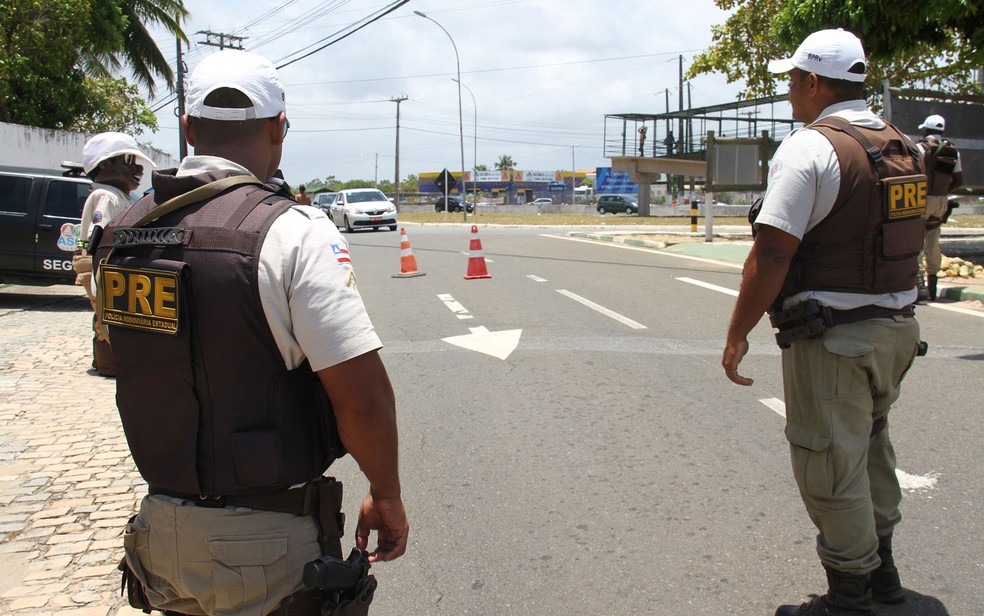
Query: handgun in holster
[803, 320]
[345, 587]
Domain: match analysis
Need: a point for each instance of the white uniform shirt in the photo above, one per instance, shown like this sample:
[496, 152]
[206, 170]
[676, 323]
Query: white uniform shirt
[307, 285]
[804, 180]
[103, 204]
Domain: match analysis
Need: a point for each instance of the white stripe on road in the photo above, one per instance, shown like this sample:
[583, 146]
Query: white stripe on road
[603, 310]
[536, 278]
[454, 306]
[707, 285]
[775, 404]
[952, 308]
[906, 481]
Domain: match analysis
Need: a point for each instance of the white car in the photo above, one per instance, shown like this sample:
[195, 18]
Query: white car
[362, 208]
[541, 201]
[323, 201]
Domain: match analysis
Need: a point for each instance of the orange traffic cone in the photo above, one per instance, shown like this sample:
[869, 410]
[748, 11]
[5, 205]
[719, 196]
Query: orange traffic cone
[476, 261]
[408, 264]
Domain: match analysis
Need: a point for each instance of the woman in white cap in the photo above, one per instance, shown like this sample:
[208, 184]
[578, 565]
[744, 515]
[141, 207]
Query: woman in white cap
[111, 160]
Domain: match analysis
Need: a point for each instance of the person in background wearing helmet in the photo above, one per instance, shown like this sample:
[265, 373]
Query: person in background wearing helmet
[843, 306]
[941, 161]
[112, 162]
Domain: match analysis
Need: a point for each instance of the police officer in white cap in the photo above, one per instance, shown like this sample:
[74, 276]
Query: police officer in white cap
[113, 161]
[834, 264]
[941, 160]
[246, 361]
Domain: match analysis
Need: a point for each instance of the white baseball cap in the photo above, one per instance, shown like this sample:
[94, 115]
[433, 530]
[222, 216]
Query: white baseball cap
[835, 54]
[934, 122]
[249, 73]
[109, 145]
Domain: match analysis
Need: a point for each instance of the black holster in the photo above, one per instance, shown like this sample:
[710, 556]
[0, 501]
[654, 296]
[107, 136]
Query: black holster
[800, 321]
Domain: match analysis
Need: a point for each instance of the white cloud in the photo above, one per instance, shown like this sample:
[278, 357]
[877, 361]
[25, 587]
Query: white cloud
[543, 74]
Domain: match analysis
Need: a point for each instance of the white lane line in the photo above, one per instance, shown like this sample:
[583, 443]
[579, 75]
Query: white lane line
[959, 309]
[602, 310]
[776, 405]
[906, 481]
[454, 306]
[658, 251]
[536, 278]
[707, 285]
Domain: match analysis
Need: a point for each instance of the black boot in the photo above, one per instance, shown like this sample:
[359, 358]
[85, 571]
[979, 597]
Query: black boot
[885, 584]
[847, 596]
[931, 287]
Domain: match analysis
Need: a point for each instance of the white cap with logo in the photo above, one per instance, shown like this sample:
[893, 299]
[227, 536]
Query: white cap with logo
[109, 145]
[249, 73]
[934, 122]
[835, 54]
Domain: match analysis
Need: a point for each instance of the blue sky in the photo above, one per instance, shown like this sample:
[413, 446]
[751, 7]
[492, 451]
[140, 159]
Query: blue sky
[543, 74]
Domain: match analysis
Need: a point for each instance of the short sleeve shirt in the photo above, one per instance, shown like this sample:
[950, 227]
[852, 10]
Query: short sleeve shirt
[307, 284]
[103, 204]
[804, 179]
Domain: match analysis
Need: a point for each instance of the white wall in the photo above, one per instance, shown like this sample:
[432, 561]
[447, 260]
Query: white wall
[45, 148]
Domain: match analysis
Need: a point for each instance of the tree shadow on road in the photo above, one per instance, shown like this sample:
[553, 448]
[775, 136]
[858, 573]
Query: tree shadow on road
[50, 299]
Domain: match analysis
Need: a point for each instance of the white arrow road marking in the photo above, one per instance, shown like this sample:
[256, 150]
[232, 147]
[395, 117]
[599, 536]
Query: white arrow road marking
[605, 311]
[536, 278]
[906, 481]
[454, 306]
[497, 344]
[707, 285]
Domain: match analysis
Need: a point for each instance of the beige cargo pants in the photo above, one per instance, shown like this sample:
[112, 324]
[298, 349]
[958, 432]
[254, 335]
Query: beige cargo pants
[836, 388]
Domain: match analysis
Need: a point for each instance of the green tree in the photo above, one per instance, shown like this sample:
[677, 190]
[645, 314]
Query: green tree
[52, 53]
[411, 184]
[912, 43]
[482, 167]
[505, 163]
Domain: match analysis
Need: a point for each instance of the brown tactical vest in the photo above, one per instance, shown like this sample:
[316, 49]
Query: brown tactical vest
[871, 238]
[207, 405]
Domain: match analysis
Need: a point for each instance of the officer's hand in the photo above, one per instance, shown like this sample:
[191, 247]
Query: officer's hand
[734, 351]
[387, 517]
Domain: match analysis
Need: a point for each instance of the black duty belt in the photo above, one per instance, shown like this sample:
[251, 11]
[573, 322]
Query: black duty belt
[833, 317]
[297, 501]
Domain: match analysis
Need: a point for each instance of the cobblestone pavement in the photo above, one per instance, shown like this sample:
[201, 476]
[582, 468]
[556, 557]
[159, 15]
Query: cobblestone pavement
[67, 484]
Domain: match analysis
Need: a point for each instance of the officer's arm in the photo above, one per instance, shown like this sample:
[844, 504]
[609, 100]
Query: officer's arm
[956, 181]
[762, 279]
[365, 411]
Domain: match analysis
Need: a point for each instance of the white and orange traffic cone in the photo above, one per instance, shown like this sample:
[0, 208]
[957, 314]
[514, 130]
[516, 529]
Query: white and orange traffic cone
[476, 260]
[408, 263]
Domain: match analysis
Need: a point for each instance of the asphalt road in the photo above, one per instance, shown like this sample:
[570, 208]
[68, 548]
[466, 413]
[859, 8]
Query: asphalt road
[600, 462]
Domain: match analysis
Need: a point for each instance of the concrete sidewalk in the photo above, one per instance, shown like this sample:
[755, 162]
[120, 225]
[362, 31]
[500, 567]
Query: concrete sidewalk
[67, 483]
[731, 245]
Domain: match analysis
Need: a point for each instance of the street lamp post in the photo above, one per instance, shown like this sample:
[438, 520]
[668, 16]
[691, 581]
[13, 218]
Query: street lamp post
[573, 176]
[475, 144]
[461, 123]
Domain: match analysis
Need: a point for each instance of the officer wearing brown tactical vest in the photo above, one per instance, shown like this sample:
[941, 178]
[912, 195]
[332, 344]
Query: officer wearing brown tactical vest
[246, 365]
[834, 263]
[941, 159]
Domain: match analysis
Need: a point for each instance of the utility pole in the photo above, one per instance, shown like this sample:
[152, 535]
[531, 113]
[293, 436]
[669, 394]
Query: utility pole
[396, 178]
[221, 40]
[182, 144]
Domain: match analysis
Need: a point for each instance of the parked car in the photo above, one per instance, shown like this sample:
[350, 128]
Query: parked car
[541, 201]
[455, 204]
[362, 208]
[323, 200]
[617, 203]
[40, 217]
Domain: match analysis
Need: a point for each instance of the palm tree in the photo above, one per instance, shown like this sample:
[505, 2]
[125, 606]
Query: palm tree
[139, 52]
[505, 163]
